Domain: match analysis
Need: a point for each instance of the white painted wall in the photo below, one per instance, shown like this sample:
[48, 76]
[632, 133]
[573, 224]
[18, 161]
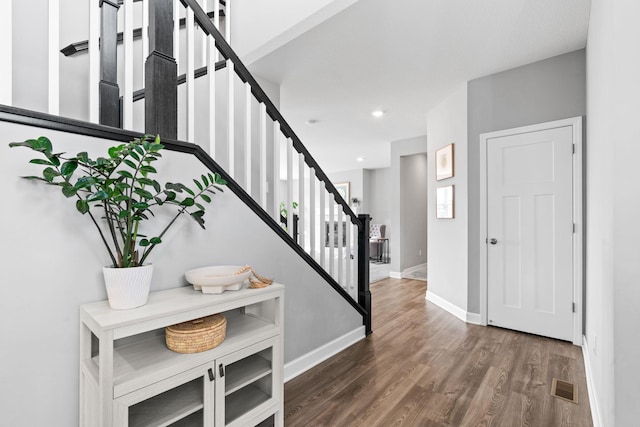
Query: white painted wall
[613, 201]
[447, 238]
[399, 149]
[259, 28]
[51, 262]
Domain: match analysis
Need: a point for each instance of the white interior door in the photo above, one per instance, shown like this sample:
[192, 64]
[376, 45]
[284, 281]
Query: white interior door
[530, 232]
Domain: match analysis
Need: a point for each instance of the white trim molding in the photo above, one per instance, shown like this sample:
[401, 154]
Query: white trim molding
[395, 275]
[591, 389]
[473, 318]
[578, 250]
[320, 354]
[446, 305]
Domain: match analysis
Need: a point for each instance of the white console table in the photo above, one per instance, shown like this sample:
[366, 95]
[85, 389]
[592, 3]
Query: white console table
[128, 377]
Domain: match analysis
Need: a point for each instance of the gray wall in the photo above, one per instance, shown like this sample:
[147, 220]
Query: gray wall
[447, 239]
[52, 261]
[355, 178]
[413, 189]
[399, 149]
[378, 206]
[540, 92]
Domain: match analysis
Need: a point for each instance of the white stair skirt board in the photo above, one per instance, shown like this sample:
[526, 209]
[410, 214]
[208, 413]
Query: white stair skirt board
[304, 363]
[593, 401]
[465, 316]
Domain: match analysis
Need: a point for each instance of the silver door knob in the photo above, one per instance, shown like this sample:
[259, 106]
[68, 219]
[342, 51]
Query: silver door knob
[493, 241]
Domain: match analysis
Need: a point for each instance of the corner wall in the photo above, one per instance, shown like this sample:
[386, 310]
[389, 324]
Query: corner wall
[547, 90]
[447, 238]
[613, 202]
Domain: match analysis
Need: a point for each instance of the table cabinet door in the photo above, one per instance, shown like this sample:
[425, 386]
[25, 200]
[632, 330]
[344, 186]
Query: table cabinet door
[246, 385]
[183, 400]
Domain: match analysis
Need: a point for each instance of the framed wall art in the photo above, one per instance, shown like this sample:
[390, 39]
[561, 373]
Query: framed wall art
[444, 202]
[444, 162]
[343, 189]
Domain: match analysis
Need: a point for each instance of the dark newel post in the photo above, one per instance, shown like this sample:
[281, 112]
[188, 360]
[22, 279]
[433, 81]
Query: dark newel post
[364, 295]
[109, 91]
[161, 73]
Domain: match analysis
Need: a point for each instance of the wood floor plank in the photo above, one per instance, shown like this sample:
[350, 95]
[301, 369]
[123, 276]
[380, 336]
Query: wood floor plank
[424, 367]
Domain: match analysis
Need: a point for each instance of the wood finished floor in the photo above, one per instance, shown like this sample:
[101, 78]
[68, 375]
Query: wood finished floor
[424, 367]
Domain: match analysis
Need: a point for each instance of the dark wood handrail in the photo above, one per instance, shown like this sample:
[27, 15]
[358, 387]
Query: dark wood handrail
[83, 46]
[182, 79]
[241, 70]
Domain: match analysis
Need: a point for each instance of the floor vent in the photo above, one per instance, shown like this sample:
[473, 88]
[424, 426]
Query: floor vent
[564, 390]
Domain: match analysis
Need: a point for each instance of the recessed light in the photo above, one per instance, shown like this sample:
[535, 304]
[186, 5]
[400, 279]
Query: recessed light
[311, 122]
[360, 159]
[377, 113]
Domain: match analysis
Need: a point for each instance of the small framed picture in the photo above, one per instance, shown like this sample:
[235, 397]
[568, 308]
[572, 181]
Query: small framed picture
[444, 202]
[444, 162]
[343, 189]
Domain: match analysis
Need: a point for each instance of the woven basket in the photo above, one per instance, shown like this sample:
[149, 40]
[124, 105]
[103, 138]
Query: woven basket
[196, 335]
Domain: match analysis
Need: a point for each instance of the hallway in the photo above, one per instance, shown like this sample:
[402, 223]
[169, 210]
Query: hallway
[424, 367]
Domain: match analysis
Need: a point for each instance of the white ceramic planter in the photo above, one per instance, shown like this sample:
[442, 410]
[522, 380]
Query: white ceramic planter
[127, 287]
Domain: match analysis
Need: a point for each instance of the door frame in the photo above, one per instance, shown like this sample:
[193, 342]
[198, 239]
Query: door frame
[578, 219]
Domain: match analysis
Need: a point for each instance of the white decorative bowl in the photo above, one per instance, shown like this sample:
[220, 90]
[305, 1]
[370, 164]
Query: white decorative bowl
[217, 279]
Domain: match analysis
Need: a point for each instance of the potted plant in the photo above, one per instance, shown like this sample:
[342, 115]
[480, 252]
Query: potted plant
[118, 193]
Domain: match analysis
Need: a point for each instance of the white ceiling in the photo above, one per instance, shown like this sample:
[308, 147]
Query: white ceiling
[404, 57]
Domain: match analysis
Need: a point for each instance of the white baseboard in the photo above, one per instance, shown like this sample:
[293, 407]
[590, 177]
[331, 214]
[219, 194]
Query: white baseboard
[395, 275]
[414, 268]
[593, 401]
[446, 305]
[473, 318]
[320, 354]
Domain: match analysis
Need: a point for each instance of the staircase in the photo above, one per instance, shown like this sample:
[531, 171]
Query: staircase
[163, 67]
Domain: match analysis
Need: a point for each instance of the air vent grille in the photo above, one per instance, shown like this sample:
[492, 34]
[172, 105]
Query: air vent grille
[564, 390]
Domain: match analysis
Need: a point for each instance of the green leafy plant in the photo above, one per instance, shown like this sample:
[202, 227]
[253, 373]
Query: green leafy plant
[121, 188]
[283, 209]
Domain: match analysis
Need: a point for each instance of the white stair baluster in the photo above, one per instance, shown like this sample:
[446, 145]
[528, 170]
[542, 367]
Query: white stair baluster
[216, 14]
[127, 87]
[263, 156]
[191, 93]
[247, 138]
[341, 252]
[324, 236]
[6, 51]
[312, 214]
[289, 201]
[203, 35]
[231, 118]
[302, 223]
[354, 275]
[276, 171]
[212, 54]
[145, 36]
[176, 33]
[347, 254]
[227, 21]
[332, 236]
[54, 54]
[94, 62]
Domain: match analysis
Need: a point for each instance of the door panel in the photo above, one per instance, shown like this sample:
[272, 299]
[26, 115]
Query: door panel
[530, 214]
